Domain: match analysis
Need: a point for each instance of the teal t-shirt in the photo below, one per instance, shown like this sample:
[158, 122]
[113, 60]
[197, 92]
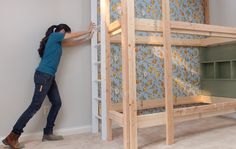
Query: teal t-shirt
[52, 54]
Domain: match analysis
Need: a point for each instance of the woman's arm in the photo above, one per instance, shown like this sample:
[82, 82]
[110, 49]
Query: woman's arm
[76, 35]
[80, 34]
[70, 42]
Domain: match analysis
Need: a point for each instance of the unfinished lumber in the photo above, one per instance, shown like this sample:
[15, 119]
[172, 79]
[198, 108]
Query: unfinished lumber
[129, 74]
[168, 72]
[105, 9]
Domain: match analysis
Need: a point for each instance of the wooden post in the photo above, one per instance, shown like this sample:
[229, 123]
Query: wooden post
[168, 72]
[108, 71]
[129, 74]
[105, 11]
[206, 11]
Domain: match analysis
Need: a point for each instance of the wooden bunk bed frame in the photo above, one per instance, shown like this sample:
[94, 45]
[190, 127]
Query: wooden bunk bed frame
[123, 31]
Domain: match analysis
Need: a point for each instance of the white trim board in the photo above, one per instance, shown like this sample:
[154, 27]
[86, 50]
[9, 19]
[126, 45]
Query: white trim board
[232, 116]
[63, 132]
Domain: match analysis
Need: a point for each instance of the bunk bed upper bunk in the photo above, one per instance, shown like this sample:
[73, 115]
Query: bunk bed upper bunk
[215, 35]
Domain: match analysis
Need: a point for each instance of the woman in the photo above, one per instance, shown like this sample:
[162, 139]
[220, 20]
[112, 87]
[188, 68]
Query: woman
[50, 51]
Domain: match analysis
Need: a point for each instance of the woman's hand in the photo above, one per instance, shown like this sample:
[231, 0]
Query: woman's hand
[91, 30]
[92, 27]
[90, 35]
[84, 34]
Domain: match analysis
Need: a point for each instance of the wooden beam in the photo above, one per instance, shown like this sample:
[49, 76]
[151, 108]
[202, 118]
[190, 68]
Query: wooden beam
[220, 35]
[168, 72]
[117, 117]
[219, 106]
[106, 7]
[203, 29]
[129, 74]
[158, 119]
[153, 40]
[187, 42]
[148, 25]
[157, 103]
[203, 33]
[114, 26]
[206, 11]
[150, 40]
[118, 31]
[219, 99]
[204, 115]
[215, 41]
[151, 120]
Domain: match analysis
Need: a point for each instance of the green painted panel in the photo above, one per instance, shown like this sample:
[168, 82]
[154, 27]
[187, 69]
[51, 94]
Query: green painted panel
[217, 53]
[222, 70]
[218, 70]
[233, 70]
[207, 70]
[221, 88]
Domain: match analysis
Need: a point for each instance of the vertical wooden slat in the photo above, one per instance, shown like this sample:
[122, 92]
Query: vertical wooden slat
[132, 73]
[206, 11]
[129, 74]
[108, 71]
[168, 72]
[105, 46]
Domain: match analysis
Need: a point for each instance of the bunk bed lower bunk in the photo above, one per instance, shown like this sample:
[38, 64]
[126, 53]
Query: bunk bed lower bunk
[186, 108]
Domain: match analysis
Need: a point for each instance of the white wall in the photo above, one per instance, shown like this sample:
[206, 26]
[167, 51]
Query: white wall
[23, 24]
[223, 12]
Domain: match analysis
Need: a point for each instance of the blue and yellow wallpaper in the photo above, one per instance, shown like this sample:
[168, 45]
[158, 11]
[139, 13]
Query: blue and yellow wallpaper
[149, 59]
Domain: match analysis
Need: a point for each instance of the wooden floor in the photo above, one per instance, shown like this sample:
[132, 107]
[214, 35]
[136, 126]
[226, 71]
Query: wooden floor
[210, 133]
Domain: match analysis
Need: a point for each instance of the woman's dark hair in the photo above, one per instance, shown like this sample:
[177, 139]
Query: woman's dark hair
[53, 28]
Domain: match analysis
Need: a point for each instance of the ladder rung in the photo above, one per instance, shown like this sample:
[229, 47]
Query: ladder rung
[98, 28]
[97, 63]
[99, 117]
[98, 99]
[98, 80]
[97, 45]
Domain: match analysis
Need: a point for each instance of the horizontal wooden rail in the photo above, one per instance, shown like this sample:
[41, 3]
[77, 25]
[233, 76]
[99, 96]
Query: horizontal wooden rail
[115, 27]
[221, 35]
[214, 41]
[202, 27]
[148, 25]
[158, 119]
[203, 33]
[158, 41]
[117, 117]
[219, 106]
[156, 103]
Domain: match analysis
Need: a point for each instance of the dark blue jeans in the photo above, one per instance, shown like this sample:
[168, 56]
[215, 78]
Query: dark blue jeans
[45, 84]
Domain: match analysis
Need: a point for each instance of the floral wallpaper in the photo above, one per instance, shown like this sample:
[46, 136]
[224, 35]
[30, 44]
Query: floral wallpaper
[149, 59]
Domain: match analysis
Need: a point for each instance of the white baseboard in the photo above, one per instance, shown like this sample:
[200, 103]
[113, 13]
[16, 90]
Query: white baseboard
[232, 116]
[64, 132]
